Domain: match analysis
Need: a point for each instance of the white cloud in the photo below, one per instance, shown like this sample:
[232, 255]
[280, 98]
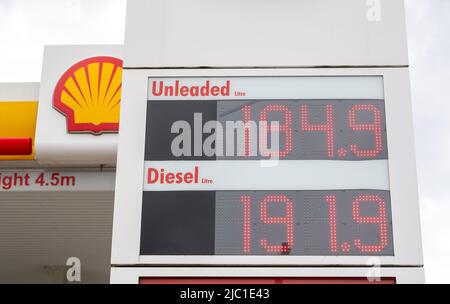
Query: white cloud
[27, 25]
[429, 46]
[435, 231]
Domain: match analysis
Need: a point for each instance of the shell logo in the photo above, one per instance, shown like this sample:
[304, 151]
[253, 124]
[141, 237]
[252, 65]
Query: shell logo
[89, 95]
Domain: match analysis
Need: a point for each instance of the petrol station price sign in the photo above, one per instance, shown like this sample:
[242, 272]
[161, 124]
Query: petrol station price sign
[209, 191]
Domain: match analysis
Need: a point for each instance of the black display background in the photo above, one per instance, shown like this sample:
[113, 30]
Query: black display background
[307, 145]
[184, 223]
[160, 117]
[178, 223]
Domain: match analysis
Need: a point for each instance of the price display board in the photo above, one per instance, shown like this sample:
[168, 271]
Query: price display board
[353, 222]
[266, 167]
[209, 125]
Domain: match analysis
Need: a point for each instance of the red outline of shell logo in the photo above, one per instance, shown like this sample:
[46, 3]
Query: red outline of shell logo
[89, 95]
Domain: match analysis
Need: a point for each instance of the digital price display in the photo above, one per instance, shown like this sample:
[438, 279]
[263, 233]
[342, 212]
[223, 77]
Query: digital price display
[307, 223]
[299, 221]
[307, 129]
[303, 223]
[319, 129]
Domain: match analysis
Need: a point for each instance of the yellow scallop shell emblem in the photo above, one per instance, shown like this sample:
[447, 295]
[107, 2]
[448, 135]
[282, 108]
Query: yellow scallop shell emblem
[89, 95]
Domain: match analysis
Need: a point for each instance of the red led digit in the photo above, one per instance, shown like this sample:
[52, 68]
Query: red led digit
[327, 127]
[367, 127]
[247, 118]
[381, 220]
[286, 127]
[331, 200]
[286, 245]
[246, 201]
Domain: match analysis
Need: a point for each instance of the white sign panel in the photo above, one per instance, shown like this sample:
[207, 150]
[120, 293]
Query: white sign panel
[265, 88]
[256, 175]
[190, 193]
[253, 33]
[79, 105]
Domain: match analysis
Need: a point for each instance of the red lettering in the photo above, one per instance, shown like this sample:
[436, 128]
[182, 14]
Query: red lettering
[194, 91]
[153, 176]
[155, 90]
[179, 178]
[184, 91]
[170, 178]
[159, 88]
[160, 176]
[177, 84]
[215, 91]
[168, 91]
[225, 91]
[204, 91]
[196, 175]
[188, 178]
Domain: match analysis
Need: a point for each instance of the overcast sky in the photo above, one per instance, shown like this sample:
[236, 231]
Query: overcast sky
[27, 25]
[428, 24]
